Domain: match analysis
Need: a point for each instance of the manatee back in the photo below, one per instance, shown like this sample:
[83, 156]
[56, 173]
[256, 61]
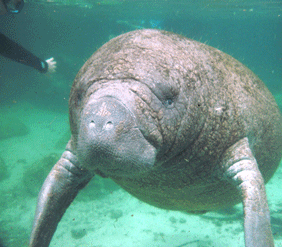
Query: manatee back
[238, 95]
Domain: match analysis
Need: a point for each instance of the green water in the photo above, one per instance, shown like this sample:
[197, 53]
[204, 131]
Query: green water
[36, 106]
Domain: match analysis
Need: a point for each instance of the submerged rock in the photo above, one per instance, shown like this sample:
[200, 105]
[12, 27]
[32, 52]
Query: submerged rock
[35, 175]
[78, 233]
[4, 173]
[61, 143]
[11, 127]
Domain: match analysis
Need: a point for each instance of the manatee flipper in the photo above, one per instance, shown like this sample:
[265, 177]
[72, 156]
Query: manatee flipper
[59, 189]
[244, 171]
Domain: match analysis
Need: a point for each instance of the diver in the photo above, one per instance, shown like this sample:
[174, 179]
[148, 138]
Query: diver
[14, 51]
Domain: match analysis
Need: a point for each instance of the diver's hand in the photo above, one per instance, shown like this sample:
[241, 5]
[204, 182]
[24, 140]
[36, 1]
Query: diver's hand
[51, 65]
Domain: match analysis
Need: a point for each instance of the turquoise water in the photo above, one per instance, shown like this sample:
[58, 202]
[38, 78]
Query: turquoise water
[34, 107]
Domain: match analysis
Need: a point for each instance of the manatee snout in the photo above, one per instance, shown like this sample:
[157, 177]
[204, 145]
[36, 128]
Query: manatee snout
[110, 142]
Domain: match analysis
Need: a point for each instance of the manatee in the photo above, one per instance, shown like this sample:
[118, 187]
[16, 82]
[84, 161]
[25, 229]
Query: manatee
[176, 123]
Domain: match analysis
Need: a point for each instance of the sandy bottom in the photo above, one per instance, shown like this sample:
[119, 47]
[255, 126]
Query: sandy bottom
[113, 218]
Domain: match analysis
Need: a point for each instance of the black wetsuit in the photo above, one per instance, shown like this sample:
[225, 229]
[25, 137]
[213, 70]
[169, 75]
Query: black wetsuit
[12, 50]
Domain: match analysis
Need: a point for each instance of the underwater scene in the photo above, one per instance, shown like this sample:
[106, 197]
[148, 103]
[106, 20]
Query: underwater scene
[35, 128]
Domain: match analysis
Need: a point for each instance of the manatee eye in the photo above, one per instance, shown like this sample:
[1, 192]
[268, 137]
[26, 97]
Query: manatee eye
[168, 102]
[166, 93]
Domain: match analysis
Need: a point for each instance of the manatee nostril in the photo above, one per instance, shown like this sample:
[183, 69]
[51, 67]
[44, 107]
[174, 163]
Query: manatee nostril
[99, 125]
[109, 125]
[92, 125]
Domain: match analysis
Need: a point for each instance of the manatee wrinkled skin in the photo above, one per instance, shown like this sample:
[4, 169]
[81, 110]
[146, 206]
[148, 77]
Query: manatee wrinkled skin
[176, 123]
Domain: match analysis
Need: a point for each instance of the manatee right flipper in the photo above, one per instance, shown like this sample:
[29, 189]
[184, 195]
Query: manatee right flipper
[60, 188]
[244, 172]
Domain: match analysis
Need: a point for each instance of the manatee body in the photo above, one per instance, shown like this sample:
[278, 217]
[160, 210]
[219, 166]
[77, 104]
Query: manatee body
[176, 123]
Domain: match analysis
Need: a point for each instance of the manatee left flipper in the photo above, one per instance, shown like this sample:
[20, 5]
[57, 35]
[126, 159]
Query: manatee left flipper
[60, 188]
[244, 172]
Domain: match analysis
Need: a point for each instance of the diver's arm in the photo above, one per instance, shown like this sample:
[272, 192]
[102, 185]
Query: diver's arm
[14, 51]
[3, 9]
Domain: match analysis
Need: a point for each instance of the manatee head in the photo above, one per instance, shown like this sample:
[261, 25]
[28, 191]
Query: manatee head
[133, 106]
